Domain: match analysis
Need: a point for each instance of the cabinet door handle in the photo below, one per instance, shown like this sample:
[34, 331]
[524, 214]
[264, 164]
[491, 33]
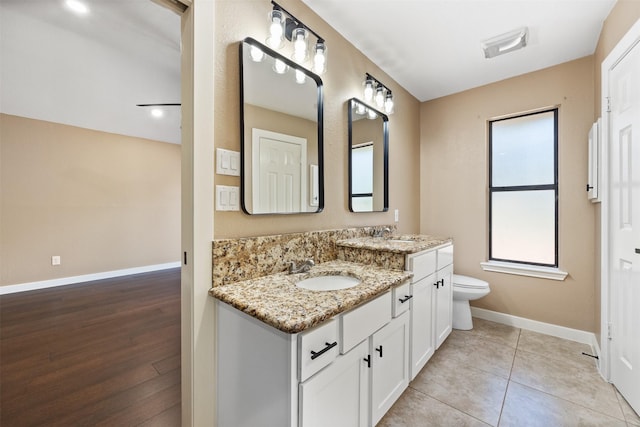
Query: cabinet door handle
[405, 299]
[442, 282]
[589, 187]
[379, 350]
[368, 360]
[437, 284]
[328, 347]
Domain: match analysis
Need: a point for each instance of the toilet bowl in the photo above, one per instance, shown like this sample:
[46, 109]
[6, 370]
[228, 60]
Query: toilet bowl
[465, 289]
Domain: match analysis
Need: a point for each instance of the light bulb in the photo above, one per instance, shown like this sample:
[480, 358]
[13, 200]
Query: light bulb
[276, 29]
[300, 44]
[157, 113]
[77, 6]
[300, 77]
[368, 90]
[320, 58]
[279, 66]
[371, 114]
[360, 109]
[388, 103]
[379, 97]
[257, 55]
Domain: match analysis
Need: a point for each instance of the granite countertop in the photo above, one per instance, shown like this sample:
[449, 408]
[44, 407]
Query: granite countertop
[277, 301]
[403, 244]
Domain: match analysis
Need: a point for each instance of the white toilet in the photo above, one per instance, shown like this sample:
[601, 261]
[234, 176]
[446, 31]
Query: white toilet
[465, 289]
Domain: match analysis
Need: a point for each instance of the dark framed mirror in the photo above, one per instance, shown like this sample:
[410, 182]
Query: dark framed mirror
[281, 131]
[368, 158]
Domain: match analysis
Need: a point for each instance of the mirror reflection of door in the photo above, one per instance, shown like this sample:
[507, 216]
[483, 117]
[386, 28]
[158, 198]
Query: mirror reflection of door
[362, 177]
[279, 179]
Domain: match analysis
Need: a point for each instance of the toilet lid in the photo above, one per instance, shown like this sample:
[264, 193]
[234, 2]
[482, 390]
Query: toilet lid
[469, 282]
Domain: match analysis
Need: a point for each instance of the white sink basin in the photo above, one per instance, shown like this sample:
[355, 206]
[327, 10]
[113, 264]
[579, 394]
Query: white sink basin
[328, 283]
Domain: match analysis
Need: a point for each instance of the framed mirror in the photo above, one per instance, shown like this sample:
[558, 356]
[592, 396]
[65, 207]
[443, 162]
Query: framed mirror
[281, 134]
[368, 158]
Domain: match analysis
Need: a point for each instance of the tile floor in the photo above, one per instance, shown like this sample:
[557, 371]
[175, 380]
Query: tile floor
[497, 375]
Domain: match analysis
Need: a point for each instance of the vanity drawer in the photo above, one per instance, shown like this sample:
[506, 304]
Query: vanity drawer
[445, 256]
[317, 348]
[359, 323]
[401, 298]
[422, 265]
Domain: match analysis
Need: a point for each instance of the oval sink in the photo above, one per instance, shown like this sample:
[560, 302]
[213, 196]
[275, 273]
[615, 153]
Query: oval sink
[328, 283]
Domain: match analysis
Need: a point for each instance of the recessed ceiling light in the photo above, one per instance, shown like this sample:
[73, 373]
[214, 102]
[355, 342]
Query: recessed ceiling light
[77, 7]
[157, 113]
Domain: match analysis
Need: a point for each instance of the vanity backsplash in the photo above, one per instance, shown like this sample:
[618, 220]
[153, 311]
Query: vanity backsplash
[252, 257]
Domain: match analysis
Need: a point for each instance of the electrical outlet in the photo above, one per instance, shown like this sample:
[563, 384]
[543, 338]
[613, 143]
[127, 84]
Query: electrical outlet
[55, 260]
[396, 215]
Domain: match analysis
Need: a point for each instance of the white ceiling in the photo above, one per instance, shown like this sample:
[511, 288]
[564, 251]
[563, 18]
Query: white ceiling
[91, 71]
[432, 47]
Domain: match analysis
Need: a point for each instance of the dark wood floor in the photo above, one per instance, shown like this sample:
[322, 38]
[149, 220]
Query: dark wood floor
[105, 353]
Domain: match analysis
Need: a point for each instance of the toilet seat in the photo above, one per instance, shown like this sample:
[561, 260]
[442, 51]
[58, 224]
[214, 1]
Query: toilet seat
[469, 282]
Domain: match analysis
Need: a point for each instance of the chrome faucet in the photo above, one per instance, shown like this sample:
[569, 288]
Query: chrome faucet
[302, 268]
[381, 232]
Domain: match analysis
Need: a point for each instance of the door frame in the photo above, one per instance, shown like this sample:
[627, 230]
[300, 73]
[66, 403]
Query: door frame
[198, 338]
[628, 42]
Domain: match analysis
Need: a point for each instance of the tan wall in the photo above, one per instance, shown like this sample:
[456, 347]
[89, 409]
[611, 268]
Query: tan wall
[238, 19]
[101, 201]
[454, 180]
[623, 15]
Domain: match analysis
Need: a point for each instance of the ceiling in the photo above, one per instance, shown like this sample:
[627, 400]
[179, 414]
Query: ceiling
[432, 47]
[91, 71]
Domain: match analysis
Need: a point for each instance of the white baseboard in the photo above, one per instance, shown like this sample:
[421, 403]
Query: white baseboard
[31, 286]
[577, 335]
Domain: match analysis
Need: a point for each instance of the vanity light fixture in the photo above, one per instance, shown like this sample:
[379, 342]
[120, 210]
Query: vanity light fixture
[284, 24]
[383, 97]
[300, 77]
[505, 43]
[257, 55]
[280, 67]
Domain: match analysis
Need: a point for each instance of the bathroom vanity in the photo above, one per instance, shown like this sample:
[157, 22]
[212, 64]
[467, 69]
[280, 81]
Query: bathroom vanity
[290, 356]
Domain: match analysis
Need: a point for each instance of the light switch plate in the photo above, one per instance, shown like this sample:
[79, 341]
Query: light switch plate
[227, 162]
[227, 198]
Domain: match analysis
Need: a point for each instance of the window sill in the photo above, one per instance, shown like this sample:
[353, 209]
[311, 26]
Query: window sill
[551, 273]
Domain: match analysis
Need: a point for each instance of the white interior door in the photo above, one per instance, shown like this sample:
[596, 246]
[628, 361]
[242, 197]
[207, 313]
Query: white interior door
[279, 179]
[624, 225]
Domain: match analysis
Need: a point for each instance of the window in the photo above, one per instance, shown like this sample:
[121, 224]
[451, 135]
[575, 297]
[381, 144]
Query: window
[523, 189]
[362, 179]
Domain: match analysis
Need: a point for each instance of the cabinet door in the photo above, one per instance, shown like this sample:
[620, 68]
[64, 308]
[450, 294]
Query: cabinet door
[444, 305]
[339, 394]
[389, 365]
[422, 313]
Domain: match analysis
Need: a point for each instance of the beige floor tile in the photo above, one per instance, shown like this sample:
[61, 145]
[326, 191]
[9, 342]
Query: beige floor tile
[554, 347]
[629, 414]
[526, 407]
[474, 392]
[503, 334]
[578, 384]
[415, 409]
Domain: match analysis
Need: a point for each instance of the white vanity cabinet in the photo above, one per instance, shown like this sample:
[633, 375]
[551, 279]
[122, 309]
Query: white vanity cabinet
[389, 355]
[431, 303]
[444, 299]
[347, 371]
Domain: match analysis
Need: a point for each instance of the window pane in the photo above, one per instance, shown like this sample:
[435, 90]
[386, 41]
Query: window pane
[523, 150]
[523, 226]
[362, 204]
[362, 170]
